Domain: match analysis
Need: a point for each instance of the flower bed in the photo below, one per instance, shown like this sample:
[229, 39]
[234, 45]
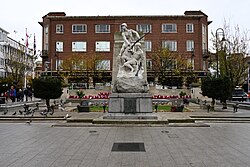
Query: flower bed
[101, 95]
[171, 97]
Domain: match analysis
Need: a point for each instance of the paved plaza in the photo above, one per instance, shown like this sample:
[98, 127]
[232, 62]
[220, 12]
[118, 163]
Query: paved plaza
[41, 145]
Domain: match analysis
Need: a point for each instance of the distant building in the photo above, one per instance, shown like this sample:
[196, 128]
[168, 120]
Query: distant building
[3, 42]
[64, 36]
[15, 57]
[38, 68]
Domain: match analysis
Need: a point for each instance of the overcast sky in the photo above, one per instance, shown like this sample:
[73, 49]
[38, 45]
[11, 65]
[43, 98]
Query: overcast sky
[21, 14]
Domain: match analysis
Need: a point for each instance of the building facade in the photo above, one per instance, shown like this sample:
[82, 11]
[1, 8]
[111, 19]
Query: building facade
[65, 36]
[16, 60]
[3, 41]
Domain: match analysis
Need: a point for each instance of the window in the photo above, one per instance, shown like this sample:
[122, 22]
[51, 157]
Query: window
[59, 46]
[102, 46]
[1, 61]
[171, 45]
[149, 64]
[79, 28]
[190, 45]
[79, 65]
[59, 28]
[190, 63]
[103, 65]
[79, 46]
[145, 28]
[169, 64]
[148, 46]
[102, 28]
[169, 28]
[204, 37]
[59, 64]
[46, 38]
[189, 28]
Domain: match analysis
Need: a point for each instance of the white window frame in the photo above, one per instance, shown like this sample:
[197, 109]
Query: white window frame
[59, 46]
[1, 36]
[102, 28]
[189, 28]
[190, 61]
[190, 45]
[170, 44]
[46, 38]
[59, 64]
[59, 28]
[103, 65]
[79, 46]
[166, 29]
[149, 64]
[79, 28]
[102, 46]
[145, 28]
[148, 46]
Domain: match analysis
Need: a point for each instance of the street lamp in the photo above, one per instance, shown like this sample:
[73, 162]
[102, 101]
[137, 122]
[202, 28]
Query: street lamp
[57, 61]
[218, 31]
[192, 58]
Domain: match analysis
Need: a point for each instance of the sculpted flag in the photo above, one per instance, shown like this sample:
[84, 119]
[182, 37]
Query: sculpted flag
[26, 42]
[34, 45]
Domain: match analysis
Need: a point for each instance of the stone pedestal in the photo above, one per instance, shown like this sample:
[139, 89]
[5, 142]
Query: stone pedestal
[130, 98]
[130, 103]
[130, 106]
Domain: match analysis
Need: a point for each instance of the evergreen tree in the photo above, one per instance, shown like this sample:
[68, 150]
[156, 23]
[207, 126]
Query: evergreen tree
[47, 88]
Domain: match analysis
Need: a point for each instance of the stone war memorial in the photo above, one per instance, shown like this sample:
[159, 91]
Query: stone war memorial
[130, 96]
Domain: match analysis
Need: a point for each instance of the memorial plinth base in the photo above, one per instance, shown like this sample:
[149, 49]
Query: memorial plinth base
[130, 103]
[123, 116]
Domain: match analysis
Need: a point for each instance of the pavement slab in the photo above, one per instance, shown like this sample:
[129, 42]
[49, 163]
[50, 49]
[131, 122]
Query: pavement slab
[40, 144]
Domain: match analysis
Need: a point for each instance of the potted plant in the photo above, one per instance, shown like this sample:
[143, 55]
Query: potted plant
[83, 106]
[80, 94]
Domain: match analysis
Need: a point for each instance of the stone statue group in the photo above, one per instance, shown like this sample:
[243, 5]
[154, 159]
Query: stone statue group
[131, 64]
[131, 56]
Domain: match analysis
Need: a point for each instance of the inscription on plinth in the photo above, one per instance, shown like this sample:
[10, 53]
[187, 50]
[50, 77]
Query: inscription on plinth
[130, 103]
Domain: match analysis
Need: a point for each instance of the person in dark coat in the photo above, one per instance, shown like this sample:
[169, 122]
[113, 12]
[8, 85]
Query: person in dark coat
[12, 93]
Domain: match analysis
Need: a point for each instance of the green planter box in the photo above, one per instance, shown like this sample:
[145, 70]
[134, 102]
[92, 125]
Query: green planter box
[84, 106]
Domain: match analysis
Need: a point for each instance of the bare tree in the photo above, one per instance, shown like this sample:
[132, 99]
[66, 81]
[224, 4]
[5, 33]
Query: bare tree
[15, 67]
[232, 51]
[80, 66]
[167, 64]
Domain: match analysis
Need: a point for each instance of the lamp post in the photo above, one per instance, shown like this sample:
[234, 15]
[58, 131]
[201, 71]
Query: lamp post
[34, 62]
[57, 62]
[192, 58]
[218, 31]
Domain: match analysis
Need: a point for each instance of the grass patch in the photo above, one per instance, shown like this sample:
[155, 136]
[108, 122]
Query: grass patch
[164, 108]
[161, 108]
[97, 108]
[167, 108]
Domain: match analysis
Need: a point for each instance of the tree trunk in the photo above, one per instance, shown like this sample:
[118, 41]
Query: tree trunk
[47, 102]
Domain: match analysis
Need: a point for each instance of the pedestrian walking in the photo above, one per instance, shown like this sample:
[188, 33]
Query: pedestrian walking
[156, 106]
[30, 94]
[236, 106]
[20, 95]
[104, 107]
[12, 93]
[25, 92]
[7, 95]
[208, 107]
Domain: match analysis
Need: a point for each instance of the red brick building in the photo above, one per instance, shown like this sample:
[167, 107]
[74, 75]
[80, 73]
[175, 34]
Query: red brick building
[65, 35]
